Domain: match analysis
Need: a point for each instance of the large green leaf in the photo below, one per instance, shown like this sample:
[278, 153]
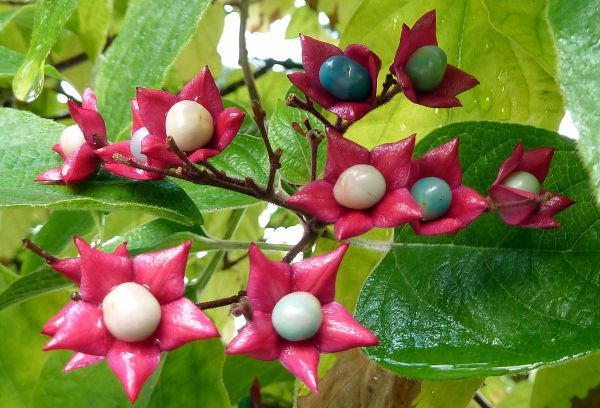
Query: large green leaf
[507, 47]
[244, 157]
[296, 157]
[577, 31]
[50, 18]
[200, 51]
[555, 387]
[491, 299]
[26, 152]
[152, 35]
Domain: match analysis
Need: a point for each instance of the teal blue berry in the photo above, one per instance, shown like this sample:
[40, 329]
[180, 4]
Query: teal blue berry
[427, 67]
[345, 79]
[433, 196]
[297, 316]
[523, 180]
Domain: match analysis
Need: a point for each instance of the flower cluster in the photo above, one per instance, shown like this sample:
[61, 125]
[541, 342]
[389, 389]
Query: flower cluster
[387, 177]
[345, 82]
[130, 310]
[195, 119]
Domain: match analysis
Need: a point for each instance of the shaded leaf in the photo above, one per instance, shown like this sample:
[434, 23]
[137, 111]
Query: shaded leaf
[296, 157]
[244, 157]
[95, 17]
[577, 32]
[558, 386]
[32, 285]
[447, 394]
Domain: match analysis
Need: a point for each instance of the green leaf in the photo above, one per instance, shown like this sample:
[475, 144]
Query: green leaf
[10, 61]
[519, 396]
[555, 387]
[56, 234]
[151, 37]
[32, 285]
[95, 17]
[191, 377]
[6, 16]
[491, 299]
[240, 371]
[244, 157]
[26, 152]
[447, 394]
[577, 32]
[200, 51]
[510, 56]
[50, 18]
[296, 157]
[15, 223]
[21, 356]
[305, 20]
[339, 11]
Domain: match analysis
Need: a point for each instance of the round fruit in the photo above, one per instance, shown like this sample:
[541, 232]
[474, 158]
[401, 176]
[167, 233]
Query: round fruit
[426, 68]
[523, 180]
[190, 125]
[345, 79]
[131, 312]
[135, 146]
[297, 316]
[359, 187]
[70, 139]
[433, 195]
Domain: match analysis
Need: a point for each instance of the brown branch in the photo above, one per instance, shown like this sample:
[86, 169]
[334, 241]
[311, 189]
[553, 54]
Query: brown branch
[308, 237]
[307, 105]
[268, 64]
[259, 113]
[211, 304]
[48, 257]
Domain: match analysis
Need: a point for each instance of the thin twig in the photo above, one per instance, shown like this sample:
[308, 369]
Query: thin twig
[119, 158]
[48, 257]
[481, 401]
[211, 304]
[306, 105]
[259, 113]
[314, 139]
[308, 237]
[268, 64]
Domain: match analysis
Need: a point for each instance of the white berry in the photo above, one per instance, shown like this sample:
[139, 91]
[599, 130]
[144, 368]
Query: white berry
[131, 312]
[135, 146]
[70, 139]
[359, 187]
[190, 125]
[297, 316]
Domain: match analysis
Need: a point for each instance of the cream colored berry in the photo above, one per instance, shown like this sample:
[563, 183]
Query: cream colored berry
[70, 139]
[131, 312]
[190, 125]
[359, 187]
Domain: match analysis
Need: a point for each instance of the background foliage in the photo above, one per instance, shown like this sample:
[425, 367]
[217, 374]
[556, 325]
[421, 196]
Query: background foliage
[475, 308]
